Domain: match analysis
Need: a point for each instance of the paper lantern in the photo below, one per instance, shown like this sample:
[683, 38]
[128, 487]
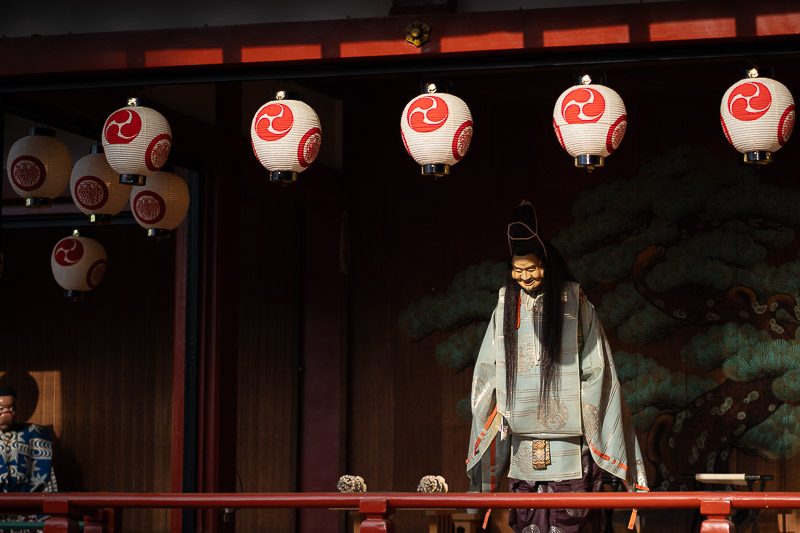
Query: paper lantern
[78, 264]
[436, 129]
[757, 117]
[39, 166]
[137, 141]
[96, 189]
[161, 204]
[286, 137]
[589, 121]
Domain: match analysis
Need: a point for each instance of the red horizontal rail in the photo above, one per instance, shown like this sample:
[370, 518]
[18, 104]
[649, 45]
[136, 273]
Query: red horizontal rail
[400, 500]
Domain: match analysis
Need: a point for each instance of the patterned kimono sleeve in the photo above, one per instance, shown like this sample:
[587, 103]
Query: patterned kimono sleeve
[51, 485]
[42, 477]
[488, 455]
[607, 424]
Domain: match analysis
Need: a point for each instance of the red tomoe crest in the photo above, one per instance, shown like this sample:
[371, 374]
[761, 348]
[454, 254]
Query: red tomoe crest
[95, 273]
[308, 148]
[27, 172]
[405, 143]
[157, 152]
[461, 140]
[786, 125]
[583, 105]
[558, 134]
[68, 251]
[122, 127]
[725, 130]
[273, 122]
[616, 132]
[749, 101]
[149, 207]
[91, 192]
[427, 114]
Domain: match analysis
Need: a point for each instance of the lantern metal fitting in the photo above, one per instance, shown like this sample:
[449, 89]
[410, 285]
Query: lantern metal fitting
[418, 33]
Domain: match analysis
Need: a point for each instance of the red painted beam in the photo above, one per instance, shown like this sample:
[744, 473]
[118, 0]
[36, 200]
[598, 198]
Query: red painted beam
[716, 502]
[451, 33]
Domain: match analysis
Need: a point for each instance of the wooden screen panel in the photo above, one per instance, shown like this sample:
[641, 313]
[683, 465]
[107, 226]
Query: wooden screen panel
[97, 371]
[267, 358]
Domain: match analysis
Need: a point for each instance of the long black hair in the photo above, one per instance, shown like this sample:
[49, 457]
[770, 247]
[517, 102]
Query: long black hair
[556, 273]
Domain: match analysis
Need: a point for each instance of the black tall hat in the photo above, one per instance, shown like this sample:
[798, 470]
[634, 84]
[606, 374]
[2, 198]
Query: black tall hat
[523, 231]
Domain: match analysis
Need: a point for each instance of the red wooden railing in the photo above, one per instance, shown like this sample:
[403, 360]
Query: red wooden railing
[64, 508]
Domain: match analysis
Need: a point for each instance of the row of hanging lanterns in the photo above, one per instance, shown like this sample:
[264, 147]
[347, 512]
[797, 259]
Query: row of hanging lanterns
[136, 142]
[127, 167]
[589, 120]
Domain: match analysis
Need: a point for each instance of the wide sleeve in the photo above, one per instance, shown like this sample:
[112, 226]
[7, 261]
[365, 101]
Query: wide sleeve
[42, 477]
[485, 469]
[607, 424]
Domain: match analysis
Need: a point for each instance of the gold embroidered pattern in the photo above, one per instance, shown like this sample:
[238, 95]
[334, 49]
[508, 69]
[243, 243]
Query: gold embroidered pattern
[540, 449]
[555, 416]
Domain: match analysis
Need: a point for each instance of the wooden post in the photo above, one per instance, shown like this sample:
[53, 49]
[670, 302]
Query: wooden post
[376, 512]
[95, 523]
[717, 516]
[58, 522]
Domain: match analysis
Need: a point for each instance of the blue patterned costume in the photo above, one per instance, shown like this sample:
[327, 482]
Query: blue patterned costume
[26, 460]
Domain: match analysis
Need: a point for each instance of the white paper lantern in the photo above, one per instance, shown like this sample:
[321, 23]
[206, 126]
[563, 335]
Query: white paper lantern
[39, 166]
[286, 135]
[137, 141]
[590, 122]
[96, 189]
[437, 130]
[78, 264]
[161, 204]
[757, 117]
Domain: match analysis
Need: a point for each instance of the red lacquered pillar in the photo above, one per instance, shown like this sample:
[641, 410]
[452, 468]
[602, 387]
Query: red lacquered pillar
[376, 516]
[717, 517]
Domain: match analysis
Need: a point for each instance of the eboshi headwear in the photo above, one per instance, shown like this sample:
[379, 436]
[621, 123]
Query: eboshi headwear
[523, 231]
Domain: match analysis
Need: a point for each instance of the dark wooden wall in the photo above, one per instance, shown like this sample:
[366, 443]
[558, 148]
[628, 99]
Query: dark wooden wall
[268, 354]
